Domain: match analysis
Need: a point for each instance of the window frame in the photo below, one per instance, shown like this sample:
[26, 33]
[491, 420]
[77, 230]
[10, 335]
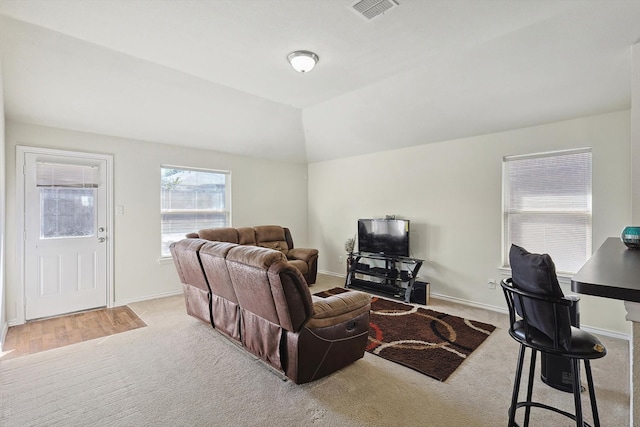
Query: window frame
[227, 211]
[588, 214]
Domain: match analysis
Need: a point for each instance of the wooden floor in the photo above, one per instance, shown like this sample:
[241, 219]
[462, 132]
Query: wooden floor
[40, 335]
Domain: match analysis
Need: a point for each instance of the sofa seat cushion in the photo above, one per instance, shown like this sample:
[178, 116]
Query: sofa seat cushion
[339, 308]
[302, 266]
[302, 254]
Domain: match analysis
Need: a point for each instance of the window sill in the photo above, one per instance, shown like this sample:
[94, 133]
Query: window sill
[165, 260]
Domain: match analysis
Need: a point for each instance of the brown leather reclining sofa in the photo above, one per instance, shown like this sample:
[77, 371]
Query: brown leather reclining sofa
[258, 299]
[267, 236]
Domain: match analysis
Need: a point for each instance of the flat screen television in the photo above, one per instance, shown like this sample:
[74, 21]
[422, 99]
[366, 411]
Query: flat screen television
[384, 236]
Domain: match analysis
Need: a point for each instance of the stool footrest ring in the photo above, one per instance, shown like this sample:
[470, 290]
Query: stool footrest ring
[549, 408]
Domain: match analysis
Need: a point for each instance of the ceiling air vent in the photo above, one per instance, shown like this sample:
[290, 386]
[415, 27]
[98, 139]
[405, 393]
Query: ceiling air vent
[370, 9]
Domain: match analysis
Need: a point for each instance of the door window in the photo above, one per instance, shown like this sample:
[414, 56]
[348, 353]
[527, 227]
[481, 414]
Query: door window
[67, 212]
[67, 199]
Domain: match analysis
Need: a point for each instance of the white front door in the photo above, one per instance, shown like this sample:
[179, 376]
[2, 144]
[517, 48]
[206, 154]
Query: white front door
[65, 236]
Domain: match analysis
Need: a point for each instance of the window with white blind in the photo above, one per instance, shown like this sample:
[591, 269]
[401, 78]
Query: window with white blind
[192, 199]
[547, 206]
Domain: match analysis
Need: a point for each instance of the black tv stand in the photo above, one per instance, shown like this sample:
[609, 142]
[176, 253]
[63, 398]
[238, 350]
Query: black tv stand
[397, 271]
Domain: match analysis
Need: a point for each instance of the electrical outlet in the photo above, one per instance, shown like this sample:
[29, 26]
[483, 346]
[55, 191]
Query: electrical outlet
[340, 260]
[491, 283]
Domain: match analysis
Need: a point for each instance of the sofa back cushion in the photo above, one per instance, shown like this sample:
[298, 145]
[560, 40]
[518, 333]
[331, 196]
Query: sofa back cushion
[212, 256]
[269, 286]
[187, 262]
[227, 234]
[246, 236]
[272, 237]
[266, 236]
[248, 268]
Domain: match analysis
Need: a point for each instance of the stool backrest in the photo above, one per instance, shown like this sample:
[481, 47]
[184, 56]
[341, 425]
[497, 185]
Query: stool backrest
[536, 273]
[524, 306]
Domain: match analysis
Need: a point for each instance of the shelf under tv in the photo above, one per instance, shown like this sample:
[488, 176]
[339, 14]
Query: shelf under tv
[396, 278]
[395, 291]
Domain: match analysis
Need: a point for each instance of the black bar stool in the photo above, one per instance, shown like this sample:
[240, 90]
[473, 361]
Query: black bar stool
[552, 335]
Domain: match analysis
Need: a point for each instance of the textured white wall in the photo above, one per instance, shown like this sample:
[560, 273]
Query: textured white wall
[263, 192]
[452, 193]
[3, 312]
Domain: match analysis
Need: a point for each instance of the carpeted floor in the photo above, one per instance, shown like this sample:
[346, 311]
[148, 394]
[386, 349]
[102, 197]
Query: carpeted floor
[180, 372]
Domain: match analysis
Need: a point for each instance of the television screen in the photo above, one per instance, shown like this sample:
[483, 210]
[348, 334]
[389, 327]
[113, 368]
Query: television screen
[384, 236]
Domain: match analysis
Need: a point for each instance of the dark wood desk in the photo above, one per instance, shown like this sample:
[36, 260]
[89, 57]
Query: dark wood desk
[612, 272]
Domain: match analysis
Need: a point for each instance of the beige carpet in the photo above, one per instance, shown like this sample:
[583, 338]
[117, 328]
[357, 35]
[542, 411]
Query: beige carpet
[179, 372]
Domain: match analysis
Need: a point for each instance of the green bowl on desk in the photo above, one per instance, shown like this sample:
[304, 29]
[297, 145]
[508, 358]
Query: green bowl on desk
[630, 236]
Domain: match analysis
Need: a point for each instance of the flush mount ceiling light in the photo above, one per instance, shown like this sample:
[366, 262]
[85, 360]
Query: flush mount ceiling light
[303, 61]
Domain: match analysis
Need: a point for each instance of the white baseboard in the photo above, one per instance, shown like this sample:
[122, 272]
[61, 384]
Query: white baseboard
[606, 332]
[331, 273]
[147, 298]
[470, 303]
[13, 322]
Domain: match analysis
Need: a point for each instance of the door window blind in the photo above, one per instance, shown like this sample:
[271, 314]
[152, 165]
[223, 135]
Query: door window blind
[64, 175]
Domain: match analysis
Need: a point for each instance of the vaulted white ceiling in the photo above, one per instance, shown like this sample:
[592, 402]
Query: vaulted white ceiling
[213, 73]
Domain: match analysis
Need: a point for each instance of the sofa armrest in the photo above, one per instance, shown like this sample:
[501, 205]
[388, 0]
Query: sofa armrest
[303, 254]
[338, 308]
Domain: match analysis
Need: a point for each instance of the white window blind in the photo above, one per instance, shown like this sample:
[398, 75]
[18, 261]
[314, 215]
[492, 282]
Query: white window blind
[547, 206]
[192, 199]
[65, 175]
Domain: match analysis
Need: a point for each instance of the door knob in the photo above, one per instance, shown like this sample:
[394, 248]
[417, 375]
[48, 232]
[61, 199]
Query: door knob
[101, 229]
[101, 239]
